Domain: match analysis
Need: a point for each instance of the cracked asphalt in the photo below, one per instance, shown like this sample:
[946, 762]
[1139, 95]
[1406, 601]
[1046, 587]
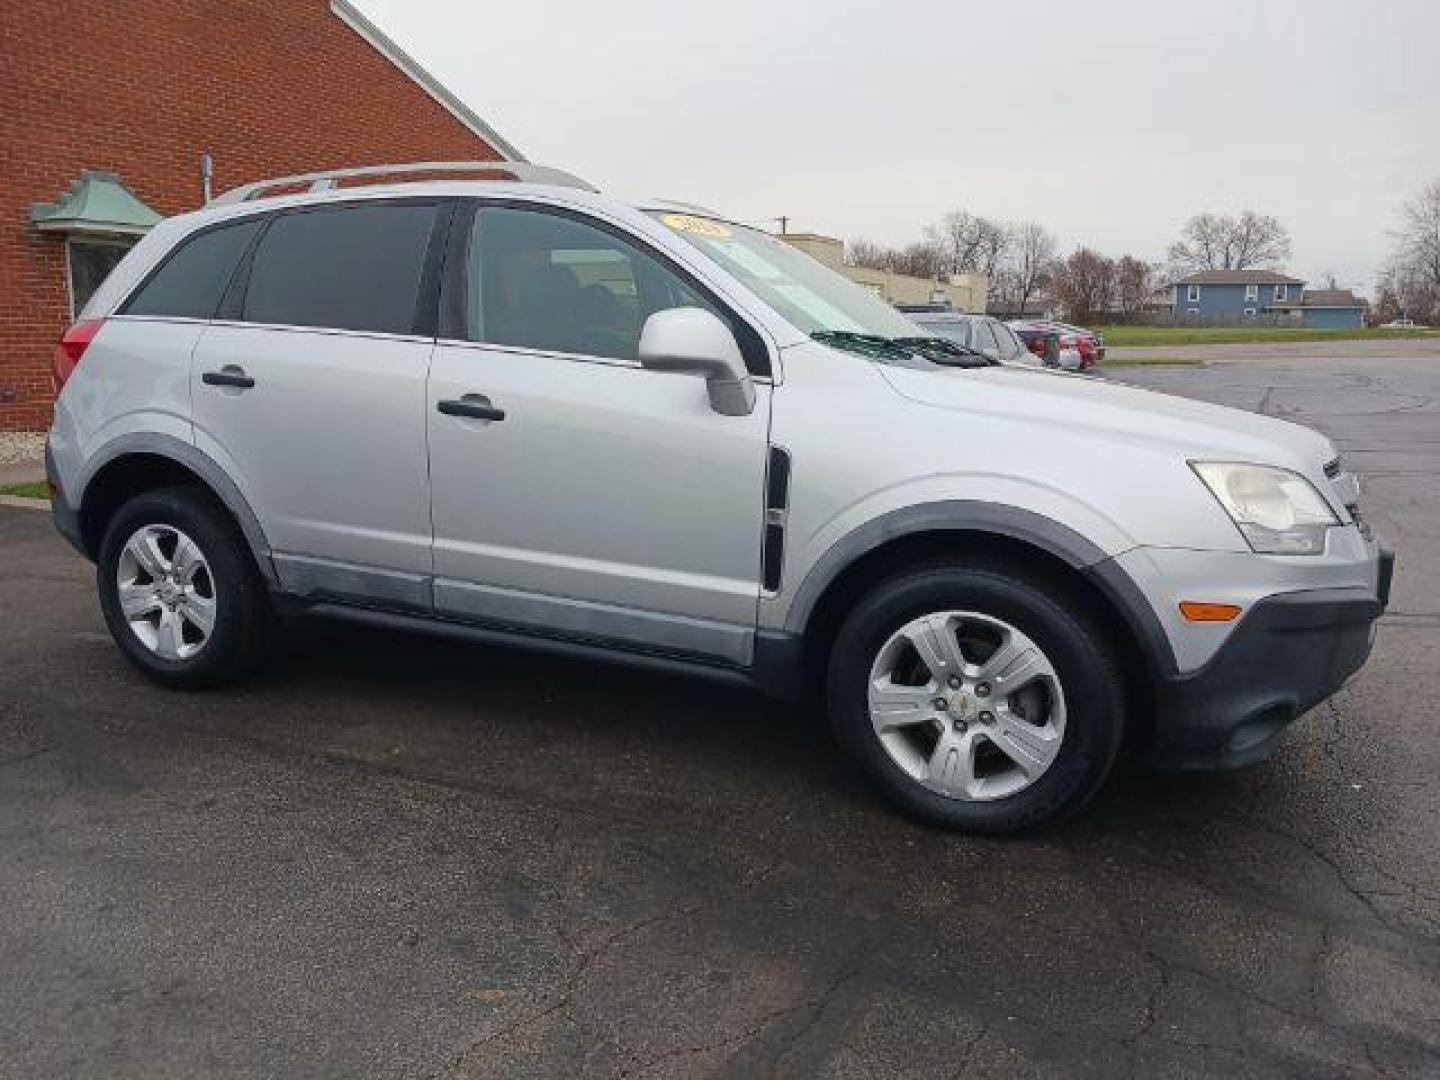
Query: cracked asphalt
[400, 857]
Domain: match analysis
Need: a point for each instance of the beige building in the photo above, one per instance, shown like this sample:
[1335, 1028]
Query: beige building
[963, 292]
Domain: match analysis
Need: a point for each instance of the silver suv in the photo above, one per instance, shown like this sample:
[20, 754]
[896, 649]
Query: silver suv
[511, 408]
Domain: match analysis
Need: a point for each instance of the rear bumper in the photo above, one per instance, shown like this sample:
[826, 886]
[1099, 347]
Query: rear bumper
[66, 517]
[1291, 652]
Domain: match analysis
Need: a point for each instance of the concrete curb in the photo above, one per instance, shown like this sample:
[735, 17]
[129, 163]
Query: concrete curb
[15, 502]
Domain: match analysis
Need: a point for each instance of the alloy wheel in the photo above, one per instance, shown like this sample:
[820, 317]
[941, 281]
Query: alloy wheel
[166, 591]
[967, 705]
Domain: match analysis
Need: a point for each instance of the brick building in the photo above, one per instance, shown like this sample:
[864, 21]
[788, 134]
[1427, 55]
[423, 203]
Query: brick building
[109, 108]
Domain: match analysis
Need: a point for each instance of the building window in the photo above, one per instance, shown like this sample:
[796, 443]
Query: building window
[1282, 292]
[1192, 315]
[1192, 294]
[1250, 312]
[1252, 294]
[89, 262]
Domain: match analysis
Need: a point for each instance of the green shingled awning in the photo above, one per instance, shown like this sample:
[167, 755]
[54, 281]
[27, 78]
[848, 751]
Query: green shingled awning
[97, 203]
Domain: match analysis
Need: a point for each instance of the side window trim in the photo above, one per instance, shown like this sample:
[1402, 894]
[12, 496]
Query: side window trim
[454, 292]
[232, 300]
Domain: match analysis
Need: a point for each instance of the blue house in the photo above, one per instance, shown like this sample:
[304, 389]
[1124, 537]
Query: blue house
[1235, 297]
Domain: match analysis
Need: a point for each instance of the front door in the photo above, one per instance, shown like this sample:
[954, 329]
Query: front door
[573, 492]
[312, 396]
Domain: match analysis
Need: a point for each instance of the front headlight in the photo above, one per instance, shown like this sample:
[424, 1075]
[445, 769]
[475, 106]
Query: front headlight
[1277, 511]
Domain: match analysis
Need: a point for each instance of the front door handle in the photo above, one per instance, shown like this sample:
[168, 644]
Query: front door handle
[229, 375]
[474, 406]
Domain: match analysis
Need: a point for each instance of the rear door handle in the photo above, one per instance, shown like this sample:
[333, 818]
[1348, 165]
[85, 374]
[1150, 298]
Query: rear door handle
[229, 375]
[473, 406]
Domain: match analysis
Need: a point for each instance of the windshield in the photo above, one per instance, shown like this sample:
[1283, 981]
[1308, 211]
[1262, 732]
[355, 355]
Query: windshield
[813, 298]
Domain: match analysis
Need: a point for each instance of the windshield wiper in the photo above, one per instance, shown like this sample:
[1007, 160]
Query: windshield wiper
[935, 349]
[944, 351]
[873, 345]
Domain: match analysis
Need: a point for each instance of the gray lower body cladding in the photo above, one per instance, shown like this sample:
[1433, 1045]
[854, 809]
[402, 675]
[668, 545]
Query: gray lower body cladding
[1289, 654]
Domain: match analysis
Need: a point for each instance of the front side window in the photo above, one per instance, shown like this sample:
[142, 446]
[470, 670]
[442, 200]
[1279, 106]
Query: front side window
[353, 267]
[549, 282]
[809, 296]
[190, 282]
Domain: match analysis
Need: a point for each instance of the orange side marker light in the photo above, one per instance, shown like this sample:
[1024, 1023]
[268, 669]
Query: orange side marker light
[1199, 611]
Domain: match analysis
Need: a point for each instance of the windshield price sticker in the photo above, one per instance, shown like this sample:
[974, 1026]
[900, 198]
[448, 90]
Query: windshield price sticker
[688, 223]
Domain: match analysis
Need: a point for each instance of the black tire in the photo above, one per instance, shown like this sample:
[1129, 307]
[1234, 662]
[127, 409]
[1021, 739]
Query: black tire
[243, 619]
[1079, 652]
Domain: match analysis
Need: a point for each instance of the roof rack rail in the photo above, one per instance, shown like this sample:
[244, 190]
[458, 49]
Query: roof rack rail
[519, 172]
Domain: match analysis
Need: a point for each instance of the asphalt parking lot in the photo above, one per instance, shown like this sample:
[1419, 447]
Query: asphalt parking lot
[393, 856]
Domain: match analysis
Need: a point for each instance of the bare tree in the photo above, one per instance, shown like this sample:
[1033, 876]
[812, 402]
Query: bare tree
[869, 254]
[922, 259]
[1030, 259]
[1420, 235]
[1084, 284]
[1225, 242]
[969, 244]
[1135, 283]
[1387, 305]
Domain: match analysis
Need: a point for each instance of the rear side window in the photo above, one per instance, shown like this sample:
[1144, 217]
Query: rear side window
[352, 267]
[190, 282]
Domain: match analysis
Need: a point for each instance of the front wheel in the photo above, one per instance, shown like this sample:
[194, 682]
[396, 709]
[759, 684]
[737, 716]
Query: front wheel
[978, 697]
[179, 590]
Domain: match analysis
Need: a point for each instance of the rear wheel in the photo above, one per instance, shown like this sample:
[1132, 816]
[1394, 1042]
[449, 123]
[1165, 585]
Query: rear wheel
[977, 697]
[179, 590]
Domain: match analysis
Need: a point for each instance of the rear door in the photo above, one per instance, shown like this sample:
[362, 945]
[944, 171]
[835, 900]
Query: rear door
[1012, 349]
[310, 391]
[585, 496]
[983, 338]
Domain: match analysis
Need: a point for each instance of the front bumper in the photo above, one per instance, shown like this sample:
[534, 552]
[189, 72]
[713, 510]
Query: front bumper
[1290, 652]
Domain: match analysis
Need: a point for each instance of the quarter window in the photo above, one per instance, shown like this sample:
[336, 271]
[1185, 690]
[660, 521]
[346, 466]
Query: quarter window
[355, 267]
[190, 282]
[548, 282]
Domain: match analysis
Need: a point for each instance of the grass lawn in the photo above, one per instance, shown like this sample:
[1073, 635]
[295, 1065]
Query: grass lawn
[1150, 336]
[27, 491]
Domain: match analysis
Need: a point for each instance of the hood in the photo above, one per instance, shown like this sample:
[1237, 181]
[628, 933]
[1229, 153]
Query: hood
[1076, 403]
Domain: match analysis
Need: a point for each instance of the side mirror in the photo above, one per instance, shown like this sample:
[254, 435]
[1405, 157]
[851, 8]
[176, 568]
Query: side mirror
[692, 341]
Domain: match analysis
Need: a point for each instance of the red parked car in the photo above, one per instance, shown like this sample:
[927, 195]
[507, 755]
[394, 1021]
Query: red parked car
[1059, 345]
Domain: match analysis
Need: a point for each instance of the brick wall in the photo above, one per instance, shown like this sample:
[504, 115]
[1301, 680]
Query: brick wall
[141, 88]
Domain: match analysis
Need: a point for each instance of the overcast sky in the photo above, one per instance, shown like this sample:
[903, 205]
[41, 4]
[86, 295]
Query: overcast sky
[1110, 122]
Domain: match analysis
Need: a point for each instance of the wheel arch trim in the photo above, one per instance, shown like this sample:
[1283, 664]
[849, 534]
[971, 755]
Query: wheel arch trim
[205, 469]
[1002, 522]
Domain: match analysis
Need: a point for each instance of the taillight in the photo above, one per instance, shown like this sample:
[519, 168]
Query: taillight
[70, 349]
